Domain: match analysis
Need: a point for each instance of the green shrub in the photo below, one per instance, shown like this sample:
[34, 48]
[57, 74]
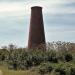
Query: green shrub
[12, 65]
[68, 57]
[61, 71]
[72, 71]
[42, 70]
[45, 68]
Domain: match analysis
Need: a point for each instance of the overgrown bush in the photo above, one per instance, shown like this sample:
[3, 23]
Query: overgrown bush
[72, 71]
[47, 61]
[68, 57]
[61, 71]
[45, 68]
[51, 56]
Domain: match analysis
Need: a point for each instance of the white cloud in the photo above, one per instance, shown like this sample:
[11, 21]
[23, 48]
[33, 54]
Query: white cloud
[52, 6]
[12, 9]
[23, 8]
[69, 0]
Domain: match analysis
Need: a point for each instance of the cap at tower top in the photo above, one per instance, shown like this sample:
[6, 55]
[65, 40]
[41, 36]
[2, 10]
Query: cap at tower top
[36, 7]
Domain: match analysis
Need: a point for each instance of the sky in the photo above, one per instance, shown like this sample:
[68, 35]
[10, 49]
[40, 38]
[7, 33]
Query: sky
[58, 16]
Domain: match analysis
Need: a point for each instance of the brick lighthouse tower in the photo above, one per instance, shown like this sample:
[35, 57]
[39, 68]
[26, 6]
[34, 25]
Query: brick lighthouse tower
[36, 31]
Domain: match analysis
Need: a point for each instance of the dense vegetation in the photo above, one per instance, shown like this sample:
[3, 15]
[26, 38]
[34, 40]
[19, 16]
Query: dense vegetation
[57, 59]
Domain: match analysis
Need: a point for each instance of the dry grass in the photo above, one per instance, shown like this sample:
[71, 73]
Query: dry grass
[5, 71]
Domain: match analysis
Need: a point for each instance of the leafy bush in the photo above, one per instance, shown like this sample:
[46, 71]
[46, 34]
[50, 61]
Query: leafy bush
[12, 65]
[45, 68]
[61, 71]
[72, 71]
[51, 57]
[42, 70]
[68, 57]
